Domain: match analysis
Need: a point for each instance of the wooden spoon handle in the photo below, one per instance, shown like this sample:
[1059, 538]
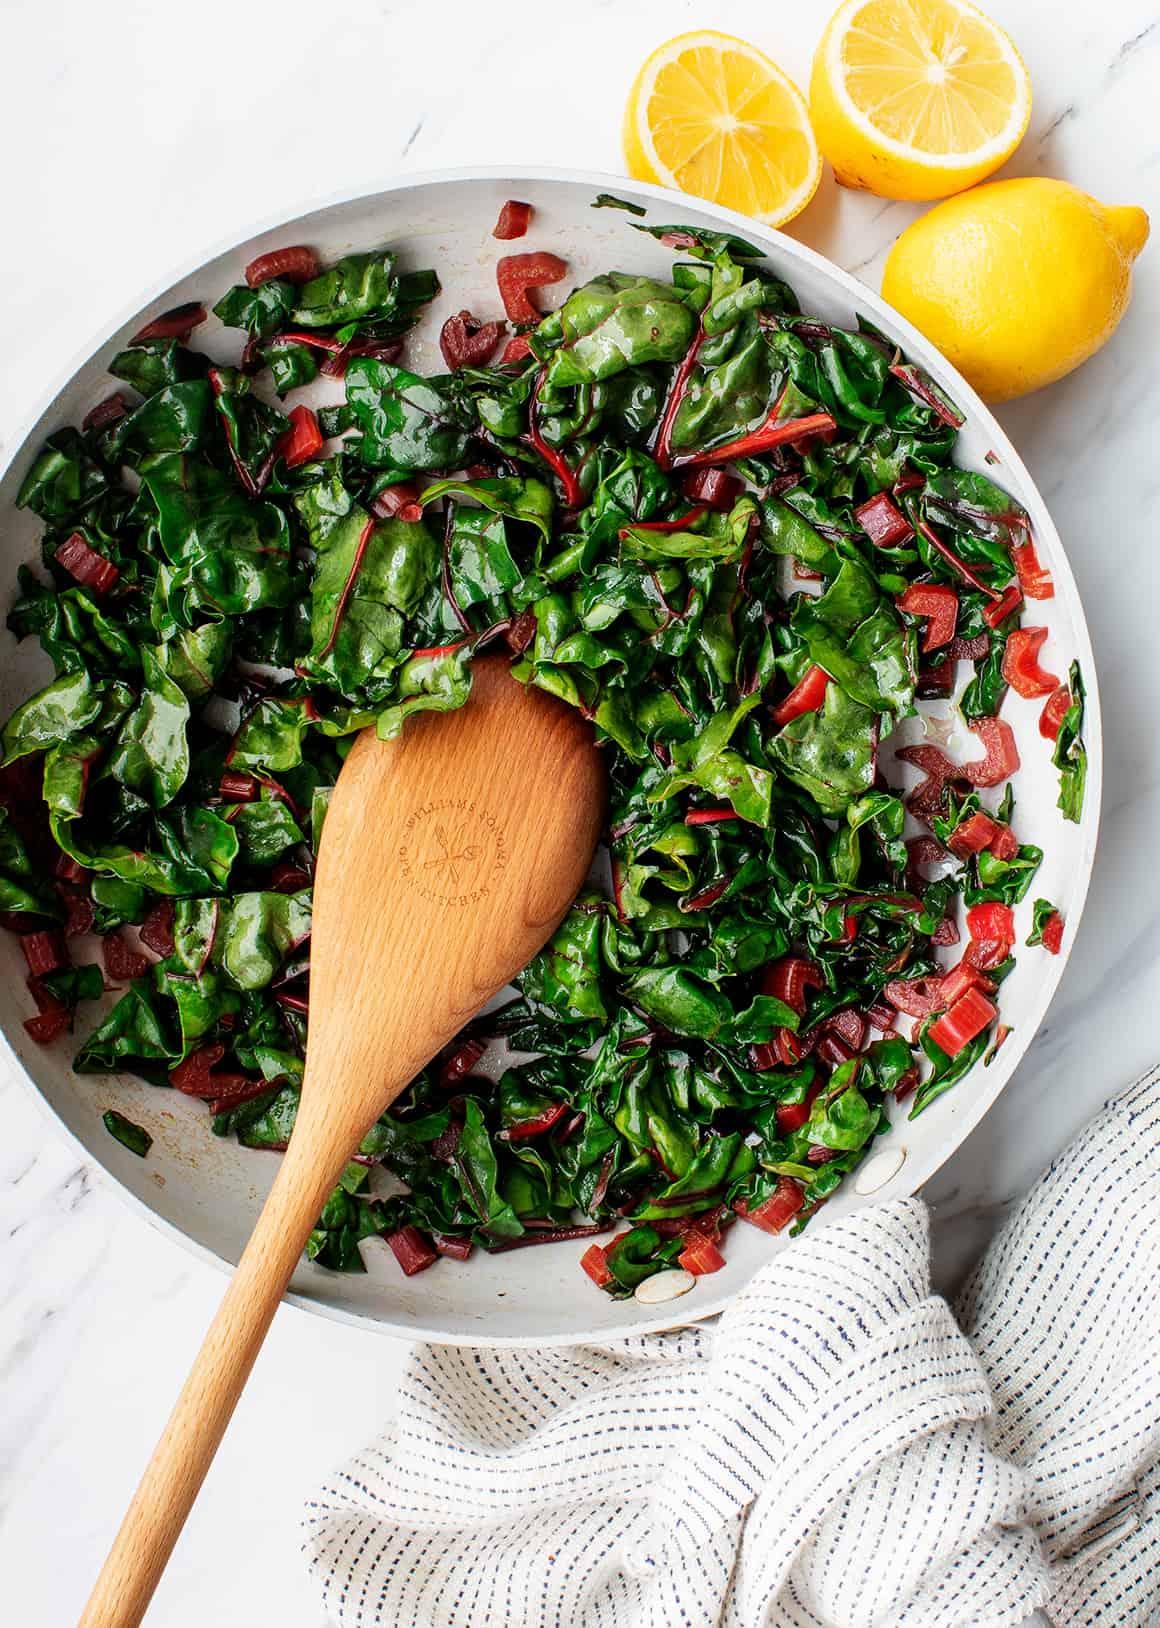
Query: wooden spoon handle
[190, 1439]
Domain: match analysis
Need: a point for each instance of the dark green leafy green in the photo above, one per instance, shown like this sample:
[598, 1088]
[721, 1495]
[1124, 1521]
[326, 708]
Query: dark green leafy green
[613, 323]
[858, 638]
[609, 200]
[63, 481]
[130, 1135]
[830, 753]
[1070, 755]
[259, 311]
[1041, 913]
[22, 889]
[407, 422]
[151, 755]
[359, 287]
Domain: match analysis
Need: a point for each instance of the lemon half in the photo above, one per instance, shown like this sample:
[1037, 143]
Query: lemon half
[711, 115]
[917, 98]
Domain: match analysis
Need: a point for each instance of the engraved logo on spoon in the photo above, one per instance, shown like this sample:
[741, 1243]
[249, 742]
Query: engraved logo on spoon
[452, 850]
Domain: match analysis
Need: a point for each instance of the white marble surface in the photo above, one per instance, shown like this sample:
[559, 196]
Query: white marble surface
[136, 133]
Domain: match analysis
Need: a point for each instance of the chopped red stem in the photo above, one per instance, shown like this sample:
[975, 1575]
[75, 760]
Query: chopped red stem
[938, 605]
[710, 816]
[48, 1026]
[1034, 579]
[716, 487]
[122, 962]
[464, 342]
[176, 324]
[1001, 756]
[69, 869]
[1021, 666]
[348, 586]
[461, 1063]
[777, 1210]
[400, 501]
[455, 1249]
[927, 797]
[573, 495]
[516, 273]
[514, 220]
[807, 695]
[238, 788]
[959, 1025]
[106, 412]
[85, 564]
[701, 1256]
[294, 264]
[156, 931]
[961, 649]
[770, 434]
[44, 951]
[1054, 711]
[682, 523]
[517, 349]
[882, 521]
[412, 1249]
[662, 446]
[302, 441]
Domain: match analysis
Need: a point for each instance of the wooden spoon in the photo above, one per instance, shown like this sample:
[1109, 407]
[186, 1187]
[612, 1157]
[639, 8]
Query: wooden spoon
[447, 859]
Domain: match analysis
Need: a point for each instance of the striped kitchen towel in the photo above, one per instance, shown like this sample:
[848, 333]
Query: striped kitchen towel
[836, 1450]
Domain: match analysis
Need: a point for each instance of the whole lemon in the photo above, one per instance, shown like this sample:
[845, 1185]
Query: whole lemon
[1016, 282]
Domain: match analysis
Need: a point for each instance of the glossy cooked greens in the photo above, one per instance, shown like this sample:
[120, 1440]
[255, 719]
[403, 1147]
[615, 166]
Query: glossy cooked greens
[699, 1028]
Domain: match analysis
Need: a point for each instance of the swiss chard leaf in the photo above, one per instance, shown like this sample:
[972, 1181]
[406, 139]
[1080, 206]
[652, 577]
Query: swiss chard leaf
[369, 577]
[226, 555]
[1070, 754]
[261, 311]
[407, 423]
[616, 322]
[63, 480]
[830, 753]
[126, 1131]
[151, 753]
[361, 288]
[858, 638]
[256, 932]
[60, 712]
